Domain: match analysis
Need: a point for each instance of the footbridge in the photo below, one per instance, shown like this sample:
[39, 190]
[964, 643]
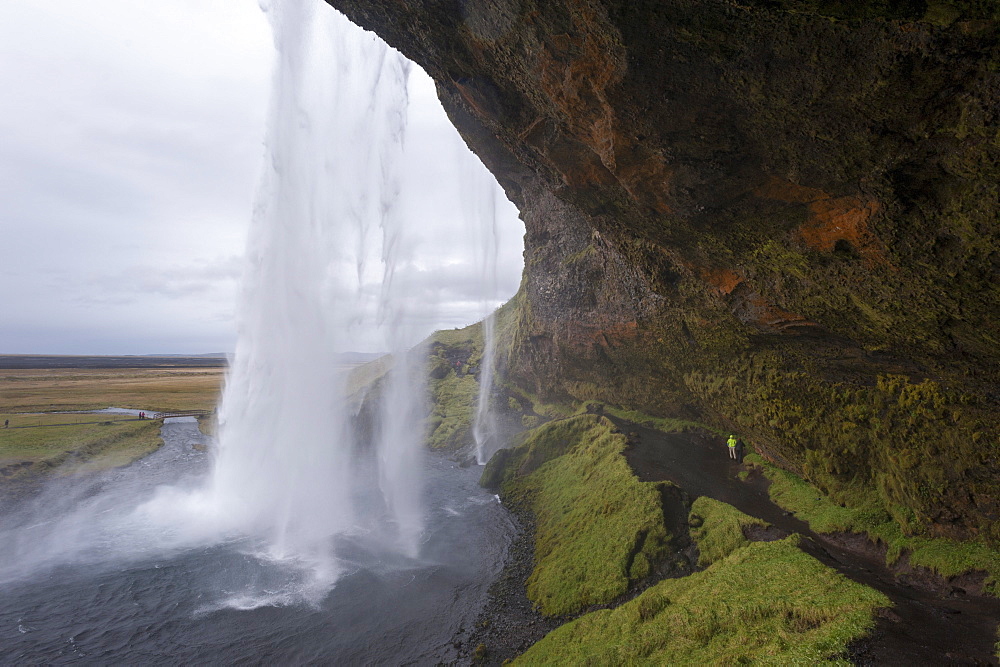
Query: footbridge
[188, 413]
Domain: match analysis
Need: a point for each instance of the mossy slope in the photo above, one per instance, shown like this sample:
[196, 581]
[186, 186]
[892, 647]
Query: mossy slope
[453, 358]
[598, 529]
[766, 603]
[914, 450]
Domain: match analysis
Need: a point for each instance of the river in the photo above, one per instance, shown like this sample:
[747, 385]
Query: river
[68, 596]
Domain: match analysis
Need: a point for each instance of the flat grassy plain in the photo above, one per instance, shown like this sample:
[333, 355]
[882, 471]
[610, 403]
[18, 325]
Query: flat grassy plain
[150, 389]
[42, 439]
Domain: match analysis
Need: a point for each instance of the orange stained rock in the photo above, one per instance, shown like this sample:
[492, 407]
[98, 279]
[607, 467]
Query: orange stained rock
[470, 97]
[616, 333]
[644, 175]
[769, 316]
[831, 219]
[575, 72]
[583, 335]
[584, 173]
[840, 219]
[746, 303]
[723, 280]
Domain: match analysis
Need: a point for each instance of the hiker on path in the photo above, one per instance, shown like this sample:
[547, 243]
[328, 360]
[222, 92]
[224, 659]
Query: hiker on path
[740, 450]
[6, 423]
[731, 443]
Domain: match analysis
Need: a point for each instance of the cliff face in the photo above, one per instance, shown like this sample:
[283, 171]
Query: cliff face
[775, 216]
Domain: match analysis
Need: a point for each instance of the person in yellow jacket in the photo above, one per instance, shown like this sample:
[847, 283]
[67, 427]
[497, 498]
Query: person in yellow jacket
[731, 443]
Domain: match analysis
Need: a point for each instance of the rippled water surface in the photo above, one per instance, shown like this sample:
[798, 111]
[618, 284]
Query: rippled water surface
[225, 602]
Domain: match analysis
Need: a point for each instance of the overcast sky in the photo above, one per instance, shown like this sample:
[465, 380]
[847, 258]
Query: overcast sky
[130, 148]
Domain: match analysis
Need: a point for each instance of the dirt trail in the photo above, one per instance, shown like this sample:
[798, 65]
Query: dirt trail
[931, 622]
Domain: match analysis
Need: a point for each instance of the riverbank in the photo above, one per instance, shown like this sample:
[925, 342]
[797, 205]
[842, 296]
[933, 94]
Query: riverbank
[105, 583]
[509, 624]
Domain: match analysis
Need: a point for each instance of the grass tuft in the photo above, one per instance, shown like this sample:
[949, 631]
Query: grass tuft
[720, 529]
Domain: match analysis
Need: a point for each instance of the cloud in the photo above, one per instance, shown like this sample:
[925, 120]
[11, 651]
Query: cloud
[139, 283]
[130, 149]
[130, 142]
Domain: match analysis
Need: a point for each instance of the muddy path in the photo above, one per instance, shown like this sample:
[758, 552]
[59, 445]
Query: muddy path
[932, 621]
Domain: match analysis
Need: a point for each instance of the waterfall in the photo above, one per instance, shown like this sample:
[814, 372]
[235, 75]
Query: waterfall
[331, 259]
[484, 429]
[286, 468]
[479, 197]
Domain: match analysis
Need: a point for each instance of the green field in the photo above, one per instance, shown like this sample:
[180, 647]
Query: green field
[60, 443]
[42, 439]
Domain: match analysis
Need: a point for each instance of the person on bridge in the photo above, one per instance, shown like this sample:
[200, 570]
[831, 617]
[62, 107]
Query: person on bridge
[731, 443]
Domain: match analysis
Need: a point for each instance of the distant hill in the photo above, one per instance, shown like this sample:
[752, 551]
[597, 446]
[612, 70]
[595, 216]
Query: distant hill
[13, 361]
[208, 355]
[207, 360]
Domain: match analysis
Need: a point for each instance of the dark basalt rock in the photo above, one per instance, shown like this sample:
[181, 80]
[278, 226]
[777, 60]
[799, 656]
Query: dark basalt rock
[776, 216]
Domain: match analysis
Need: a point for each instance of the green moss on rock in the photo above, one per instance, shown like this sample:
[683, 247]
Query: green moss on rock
[905, 449]
[453, 410]
[453, 359]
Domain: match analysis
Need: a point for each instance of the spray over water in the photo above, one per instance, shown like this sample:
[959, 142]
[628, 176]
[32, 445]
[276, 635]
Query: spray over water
[291, 481]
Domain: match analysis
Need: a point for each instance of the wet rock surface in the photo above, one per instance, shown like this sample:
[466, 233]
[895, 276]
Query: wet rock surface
[743, 212]
[509, 623]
